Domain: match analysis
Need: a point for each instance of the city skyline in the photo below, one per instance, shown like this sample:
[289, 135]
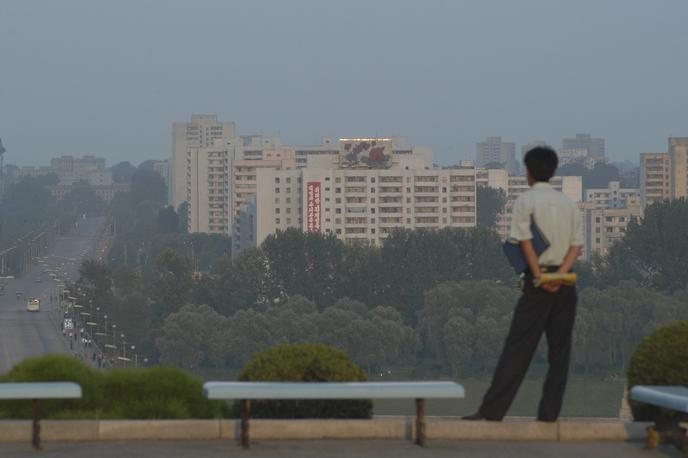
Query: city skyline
[84, 79]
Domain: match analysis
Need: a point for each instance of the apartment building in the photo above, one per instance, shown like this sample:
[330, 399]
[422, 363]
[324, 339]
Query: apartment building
[207, 189]
[655, 178]
[204, 131]
[365, 204]
[244, 187]
[605, 225]
[613, 196]
[494, 151]
[594, 147]
[678, 154]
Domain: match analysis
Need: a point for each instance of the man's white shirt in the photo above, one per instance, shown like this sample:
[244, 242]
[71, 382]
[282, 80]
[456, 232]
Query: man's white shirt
[557, 216]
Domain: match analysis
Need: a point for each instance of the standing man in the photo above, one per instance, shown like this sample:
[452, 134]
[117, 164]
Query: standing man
[550, 308]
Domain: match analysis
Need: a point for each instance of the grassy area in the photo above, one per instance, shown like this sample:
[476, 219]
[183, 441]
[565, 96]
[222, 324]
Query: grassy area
[585, 397]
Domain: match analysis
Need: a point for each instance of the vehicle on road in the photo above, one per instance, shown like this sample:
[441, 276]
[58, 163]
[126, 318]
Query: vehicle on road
[33, 304]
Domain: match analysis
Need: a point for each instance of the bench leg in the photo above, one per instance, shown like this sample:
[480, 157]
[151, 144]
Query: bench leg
[653, 438]
[245, 416]
[420, 422]
[36, 426]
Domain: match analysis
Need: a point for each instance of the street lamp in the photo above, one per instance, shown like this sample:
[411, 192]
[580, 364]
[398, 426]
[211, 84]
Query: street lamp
[136, 356]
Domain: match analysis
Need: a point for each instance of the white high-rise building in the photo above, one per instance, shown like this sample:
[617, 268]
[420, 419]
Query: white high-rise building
[364, 204]
[204, 131]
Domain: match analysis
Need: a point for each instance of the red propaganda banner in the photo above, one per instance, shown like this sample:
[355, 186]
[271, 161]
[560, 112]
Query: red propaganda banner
[313, 202]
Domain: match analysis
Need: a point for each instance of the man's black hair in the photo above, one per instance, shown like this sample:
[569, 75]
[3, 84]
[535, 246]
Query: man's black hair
[541, 162]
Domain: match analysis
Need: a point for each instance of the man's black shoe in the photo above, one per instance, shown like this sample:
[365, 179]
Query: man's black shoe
[475, 417]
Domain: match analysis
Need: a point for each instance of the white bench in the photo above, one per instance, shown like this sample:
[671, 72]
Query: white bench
[668, 397]
[247, 391]
[36, 391]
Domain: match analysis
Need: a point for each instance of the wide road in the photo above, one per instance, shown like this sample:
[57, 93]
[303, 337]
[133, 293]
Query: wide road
[24, 334]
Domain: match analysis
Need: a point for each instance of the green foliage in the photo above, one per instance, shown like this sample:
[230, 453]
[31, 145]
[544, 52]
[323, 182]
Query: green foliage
[489, 202]
[306, 363]
[660, 359]
[612, 321]
[147, 185]
[122, 172]
[463, 325]
[653, 253]
[598, 177]
[55, 368]
[157, 392]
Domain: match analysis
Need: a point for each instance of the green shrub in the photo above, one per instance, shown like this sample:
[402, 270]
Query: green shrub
[305, 363]
[56, 368]
[660, 359]
[156, 392]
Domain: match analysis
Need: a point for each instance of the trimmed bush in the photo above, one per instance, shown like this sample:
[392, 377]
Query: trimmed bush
[660, 359]
[56, 368]
[305, 363]
[150, 393]
[156, 392]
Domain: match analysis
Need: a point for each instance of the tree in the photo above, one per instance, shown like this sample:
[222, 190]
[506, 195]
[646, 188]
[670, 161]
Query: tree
[597, 177]
[82, 200]
[173, 282]
[168, 220]
[653, 253]
[188, 336]
[122, 172]
[148, 185]
[489, 202]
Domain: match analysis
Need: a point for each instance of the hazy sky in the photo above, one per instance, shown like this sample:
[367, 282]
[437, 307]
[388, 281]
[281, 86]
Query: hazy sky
[109, 78]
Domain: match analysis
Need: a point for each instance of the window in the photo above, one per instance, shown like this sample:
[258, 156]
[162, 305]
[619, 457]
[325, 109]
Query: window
[372, 190]
[372, 231]
[276, 190]
[372, 179]
[338, 210]
[288, 179]
[277, 200]
[277, 220]
[338, 200]
[372, 210]
[288, 209]
[288, 200]
[338, 190]
[339, 231]
[277, 210]
[277, 180]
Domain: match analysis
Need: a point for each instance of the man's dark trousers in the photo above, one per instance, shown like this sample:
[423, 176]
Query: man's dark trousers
[537, 311]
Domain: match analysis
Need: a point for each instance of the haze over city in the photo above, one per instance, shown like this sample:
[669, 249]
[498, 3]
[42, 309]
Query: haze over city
[81, 77]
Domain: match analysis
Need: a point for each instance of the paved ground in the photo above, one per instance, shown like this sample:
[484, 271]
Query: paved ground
[333, 448]
[24, 334]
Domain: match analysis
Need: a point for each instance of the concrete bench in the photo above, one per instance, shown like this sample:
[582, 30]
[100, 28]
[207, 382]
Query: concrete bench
[247, 391]
[669, 397]
[36, 391]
